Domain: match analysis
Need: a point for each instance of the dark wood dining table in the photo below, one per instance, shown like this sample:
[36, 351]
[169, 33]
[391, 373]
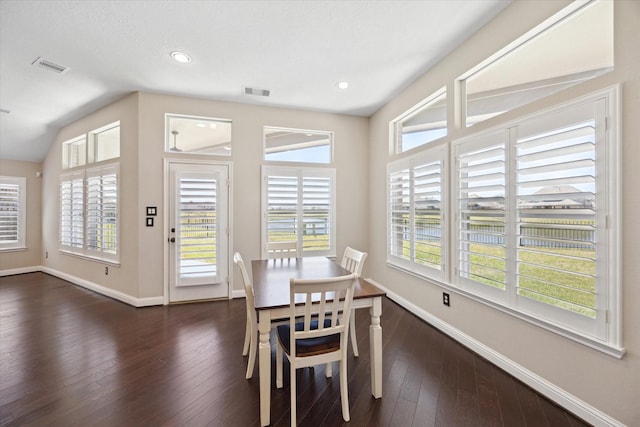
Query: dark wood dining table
[271, 292]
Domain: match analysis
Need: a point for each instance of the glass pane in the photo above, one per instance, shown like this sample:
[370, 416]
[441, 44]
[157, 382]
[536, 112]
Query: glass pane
[107, 144]
[289, 145]
[198, 135]
[198, 232]
[426, 124]
[74, 153]
[578, 48]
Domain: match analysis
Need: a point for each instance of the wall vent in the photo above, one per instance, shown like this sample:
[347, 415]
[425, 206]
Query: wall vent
[48, 65]
[256, 92]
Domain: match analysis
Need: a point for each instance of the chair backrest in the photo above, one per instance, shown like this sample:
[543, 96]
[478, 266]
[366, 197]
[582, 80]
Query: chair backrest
[280, 250]
[353, 260]
[327, 303]
[248, 286]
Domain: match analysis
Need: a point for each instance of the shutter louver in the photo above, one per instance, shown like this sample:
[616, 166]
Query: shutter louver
[72, 212]
[10, 226]
[427, 193]
[316, 221]
[400, 205]
[556, 217]
[481, 215]
[282, 208]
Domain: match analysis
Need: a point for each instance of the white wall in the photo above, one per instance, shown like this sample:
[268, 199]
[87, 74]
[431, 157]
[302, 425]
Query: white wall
[24, 260]
[610, 385]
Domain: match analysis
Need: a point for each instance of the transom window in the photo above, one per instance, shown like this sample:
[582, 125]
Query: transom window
[95, 146]
[422, 124]
[297, 145]
[197, 135]
[573, 46]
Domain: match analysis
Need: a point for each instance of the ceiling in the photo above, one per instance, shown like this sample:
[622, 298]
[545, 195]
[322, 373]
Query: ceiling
[298, 50]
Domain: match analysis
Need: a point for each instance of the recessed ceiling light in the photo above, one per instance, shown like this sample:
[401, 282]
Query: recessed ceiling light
[343, 84]
[181, 57]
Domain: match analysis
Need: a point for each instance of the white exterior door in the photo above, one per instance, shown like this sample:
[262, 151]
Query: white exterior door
[198, 231]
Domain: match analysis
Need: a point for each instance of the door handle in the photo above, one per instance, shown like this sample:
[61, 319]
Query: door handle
[172, 240]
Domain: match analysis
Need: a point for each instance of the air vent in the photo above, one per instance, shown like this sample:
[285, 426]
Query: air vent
[256, 92]
[48, 65]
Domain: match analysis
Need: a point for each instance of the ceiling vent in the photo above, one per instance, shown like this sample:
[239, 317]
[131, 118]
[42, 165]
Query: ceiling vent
[48, 65]
[256, 92]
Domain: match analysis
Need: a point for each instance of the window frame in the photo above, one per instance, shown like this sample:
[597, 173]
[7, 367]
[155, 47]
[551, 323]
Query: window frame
[21, 216]
[83, 249]
[395, 125]
[329, 134]
[408, 165]
[300, 172]
[603, 334]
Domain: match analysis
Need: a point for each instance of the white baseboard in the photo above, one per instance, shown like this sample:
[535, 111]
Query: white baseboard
[22, 270]
[238, 294]
[561, 397]
[111, 293]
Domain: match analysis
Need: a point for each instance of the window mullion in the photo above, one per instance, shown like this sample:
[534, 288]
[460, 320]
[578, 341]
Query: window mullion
[511, 220]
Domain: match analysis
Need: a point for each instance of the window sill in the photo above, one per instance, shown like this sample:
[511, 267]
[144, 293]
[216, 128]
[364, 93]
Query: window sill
[603, 347]
[91, 258]
[14, 249]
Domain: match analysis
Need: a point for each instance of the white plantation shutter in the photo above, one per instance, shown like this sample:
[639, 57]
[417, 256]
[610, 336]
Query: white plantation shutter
[481, 180]
[198, 239]
[556, 165]
[416, 221]
[298, 204]
[399, 213]
[72, 211]
[316, 213]
[12, 212]
[282, 208]
[102, 211]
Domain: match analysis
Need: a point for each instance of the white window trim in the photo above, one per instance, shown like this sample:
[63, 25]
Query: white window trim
[21, 243]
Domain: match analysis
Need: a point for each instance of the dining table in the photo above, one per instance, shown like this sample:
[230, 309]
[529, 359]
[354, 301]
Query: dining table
[271, 280]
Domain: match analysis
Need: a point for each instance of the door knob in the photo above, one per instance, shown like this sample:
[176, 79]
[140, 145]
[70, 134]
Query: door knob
[172, 240]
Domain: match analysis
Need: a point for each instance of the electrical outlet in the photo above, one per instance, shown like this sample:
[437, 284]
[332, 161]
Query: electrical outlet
[445, 299]
[106, 270]
[46, 254]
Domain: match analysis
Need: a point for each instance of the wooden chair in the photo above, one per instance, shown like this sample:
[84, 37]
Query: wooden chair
[281, 250]
[251, 331]
[321, 336]
[353, 261]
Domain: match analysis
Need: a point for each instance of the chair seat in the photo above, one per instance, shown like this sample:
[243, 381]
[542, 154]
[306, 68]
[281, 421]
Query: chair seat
[308, 346]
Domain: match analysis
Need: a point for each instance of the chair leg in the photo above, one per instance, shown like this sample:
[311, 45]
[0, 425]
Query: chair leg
[247, 337]
[344, 390]
[253, 347]
[328, 372]
[352, 332]
[279, 362]
[293, 395]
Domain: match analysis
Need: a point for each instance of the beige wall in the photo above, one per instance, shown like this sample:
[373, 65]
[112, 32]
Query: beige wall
[122, 278]
[141, 273]
[350, 160]
[32, 256]
[608, 384]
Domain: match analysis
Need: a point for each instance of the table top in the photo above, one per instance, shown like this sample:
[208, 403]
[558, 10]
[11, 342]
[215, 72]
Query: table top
[271, 279]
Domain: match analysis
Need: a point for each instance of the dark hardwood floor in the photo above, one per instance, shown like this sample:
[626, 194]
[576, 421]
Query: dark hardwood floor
[72, 357]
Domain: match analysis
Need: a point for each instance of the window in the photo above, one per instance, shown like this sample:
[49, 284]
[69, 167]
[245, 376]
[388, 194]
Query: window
[197, 135]
[574, 46]
[89, 212]
[74, 153]
[96, 146]
[422, 124]
[295, 145]
[416, 222]
[536, 211]
[13, 195]
[299, 204]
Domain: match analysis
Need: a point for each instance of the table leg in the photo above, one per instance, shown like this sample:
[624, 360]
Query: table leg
[264, 354]
[375, 343]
